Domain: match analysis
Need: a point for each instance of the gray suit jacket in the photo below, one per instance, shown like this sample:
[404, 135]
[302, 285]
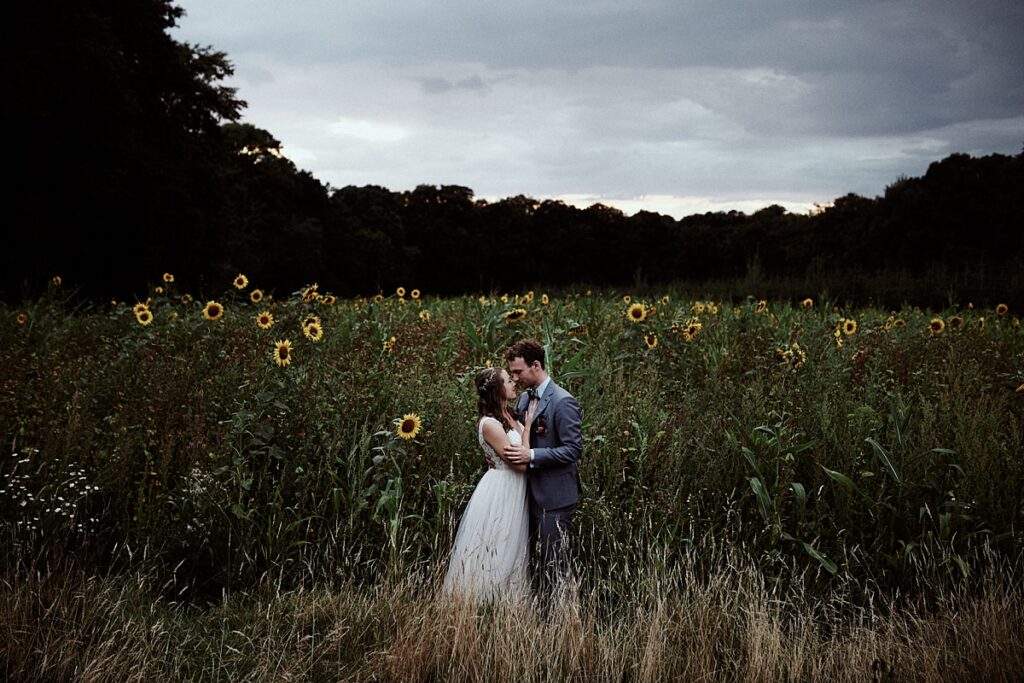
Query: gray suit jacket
[553, 479]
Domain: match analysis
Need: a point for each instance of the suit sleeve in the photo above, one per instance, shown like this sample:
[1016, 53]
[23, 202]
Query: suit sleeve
[567, 423]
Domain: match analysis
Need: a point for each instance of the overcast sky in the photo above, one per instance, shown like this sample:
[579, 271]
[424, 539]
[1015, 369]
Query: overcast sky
[674, 106]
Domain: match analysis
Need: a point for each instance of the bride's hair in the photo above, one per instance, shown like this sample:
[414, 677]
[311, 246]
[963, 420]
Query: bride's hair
[490, 390]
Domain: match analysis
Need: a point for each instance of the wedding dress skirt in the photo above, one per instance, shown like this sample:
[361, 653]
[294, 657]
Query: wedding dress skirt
[490, 554]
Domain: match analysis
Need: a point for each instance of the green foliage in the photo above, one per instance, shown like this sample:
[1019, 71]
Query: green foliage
[877, 454]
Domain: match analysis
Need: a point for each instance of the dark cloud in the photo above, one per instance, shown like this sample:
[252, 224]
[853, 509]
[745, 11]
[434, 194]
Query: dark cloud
[741, 98]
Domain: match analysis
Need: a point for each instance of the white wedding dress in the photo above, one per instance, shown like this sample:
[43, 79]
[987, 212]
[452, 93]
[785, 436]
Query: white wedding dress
[489, 557]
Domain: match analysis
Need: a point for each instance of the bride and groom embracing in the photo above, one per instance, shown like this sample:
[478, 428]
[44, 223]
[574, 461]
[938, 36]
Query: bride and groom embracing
[520, 514]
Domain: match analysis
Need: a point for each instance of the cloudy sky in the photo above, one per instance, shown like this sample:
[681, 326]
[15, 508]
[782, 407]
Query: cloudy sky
[675, 106]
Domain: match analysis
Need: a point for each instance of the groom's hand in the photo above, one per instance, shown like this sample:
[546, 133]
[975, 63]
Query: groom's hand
[517, 455]
[490, 461]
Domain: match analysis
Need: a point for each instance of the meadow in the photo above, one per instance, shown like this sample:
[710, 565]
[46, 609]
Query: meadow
[246, 486]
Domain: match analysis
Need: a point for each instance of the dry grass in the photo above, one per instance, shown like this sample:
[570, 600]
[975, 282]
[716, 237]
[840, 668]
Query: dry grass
[731, 625]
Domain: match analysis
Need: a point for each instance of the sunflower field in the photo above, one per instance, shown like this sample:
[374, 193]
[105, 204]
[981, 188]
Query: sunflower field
[221, 441]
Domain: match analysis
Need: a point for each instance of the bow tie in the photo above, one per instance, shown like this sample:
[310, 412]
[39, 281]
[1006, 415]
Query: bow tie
[532, 393]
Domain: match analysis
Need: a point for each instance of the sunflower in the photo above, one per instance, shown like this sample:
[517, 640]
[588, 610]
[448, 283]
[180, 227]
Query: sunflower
[409, 426]
[329, 300]
[377, 298]
[1001, 309]
[256, 296]
[213, 310]
[311, 320]
[400, 291]
[626, 298]
[186, 298]
[144, 317]
[936, 326]
[310, 293]
[504, 298]
[956, 322]
[807, 303]
[22, 318]
[158, 290]
[139, 308]
[425, 316]
[981, 323]
[415, 294]
[528, 297]
[283, 352]
[698, 307]
[313, 332]
[56, 280]
[241, 281]
[692, 328]
[514, 315]
[265, 320]
[651, 310]
[899, 322]
[168, 278]
[664, 300]
[849, 326]
[544, 299]
[389, 345]
[636, 313]
[651, 340]
[760, 306]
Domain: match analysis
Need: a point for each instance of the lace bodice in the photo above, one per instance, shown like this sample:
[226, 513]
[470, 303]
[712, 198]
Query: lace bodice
[513, 436]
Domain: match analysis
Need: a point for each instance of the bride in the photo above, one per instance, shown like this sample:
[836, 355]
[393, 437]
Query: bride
[490, 555]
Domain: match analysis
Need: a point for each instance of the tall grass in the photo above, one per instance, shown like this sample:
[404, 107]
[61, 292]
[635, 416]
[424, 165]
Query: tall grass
[867, 483]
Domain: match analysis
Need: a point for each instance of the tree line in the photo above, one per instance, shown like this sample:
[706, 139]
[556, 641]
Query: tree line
[130, 160]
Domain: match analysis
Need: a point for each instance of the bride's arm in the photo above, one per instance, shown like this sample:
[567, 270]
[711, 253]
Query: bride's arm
[496, 437]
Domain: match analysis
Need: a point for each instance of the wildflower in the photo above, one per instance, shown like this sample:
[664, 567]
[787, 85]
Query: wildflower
[144, 317]
[265, 320]
[256, 296]
[377, 298]
[760, 306]
[313, 332]
[22, 318]
[664, 300]
[159, 290]
[626, 298]
[409, 426]
[712, 308]
[698, 307]
[807, 303]
[956, 322]
[241, 281]
[168, 278]
[849, 326]
[936, 326]
[636, 313]
[400, 291]
[1001, 309]
[504, 298]
[425, 316]
[139, 308]
[389, 345]
[515, 315]
[283, 352]
[213, 310]
[544, 299]
[186, 298]
[651, 340]
[415, 294]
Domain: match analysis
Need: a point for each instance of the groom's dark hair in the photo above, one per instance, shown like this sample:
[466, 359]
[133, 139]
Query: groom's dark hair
[527, 349]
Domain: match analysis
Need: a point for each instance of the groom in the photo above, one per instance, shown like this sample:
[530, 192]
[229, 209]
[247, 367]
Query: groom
[553, 481]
